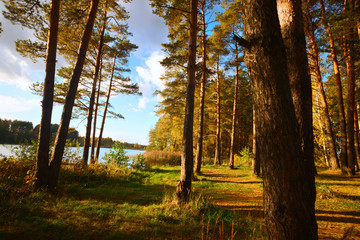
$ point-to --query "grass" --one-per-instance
(107, 202)
(112, 203)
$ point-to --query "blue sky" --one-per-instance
(17, 73)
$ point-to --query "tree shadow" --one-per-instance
(347, 213)
(229, 181)
(222, 175)
(248, 210)
(338, 219)
(124, 192)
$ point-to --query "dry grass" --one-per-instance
(162, 158)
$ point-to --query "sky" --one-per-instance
(18, 73)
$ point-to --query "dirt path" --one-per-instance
(337, 206)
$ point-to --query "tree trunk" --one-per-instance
(199, 147)
(187, 160)
(315, 57)
(92, 97)
(356, 138)
(343, 153)
(350, 68)
(105, 111)
(93, 138)
(255, 160)
(42, 154)
(234, 118)
(292, 30)
(61, 135)
(288, 184)
(217, 160)
(324, 147)
(357, 6)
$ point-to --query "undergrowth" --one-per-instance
(111, 202)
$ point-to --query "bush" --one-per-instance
(70, 155)
(138, 162)
(117, 156)
(26, 152)
(161, 158)
(244, 158)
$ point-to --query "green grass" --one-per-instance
(112, 203)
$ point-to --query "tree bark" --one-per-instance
(105, 111)
(288, 183)
(255, 161)
(93, 138)
(234, 115)
(356, 138)
(199, 147)
(315, 57)
(92, 97)
(343, 153)
(217, 160)
(42, 154)
(350, 68)
(292, 30)
(357, 6)
(61, 135)
(187, 160)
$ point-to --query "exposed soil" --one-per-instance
(336, 211)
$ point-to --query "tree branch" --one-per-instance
(241, 41)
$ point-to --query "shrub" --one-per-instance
(138, 162)
(70, 154)
(26, 152)
(161, 158)
(117, 156)
(244, 158)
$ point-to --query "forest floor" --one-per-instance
(102, 202)
(337, 202)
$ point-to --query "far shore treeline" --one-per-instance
(16, 132)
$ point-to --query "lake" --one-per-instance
(7, 150)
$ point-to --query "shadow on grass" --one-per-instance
(325, 176)
(347, 213)
(338, 219)
(222, 175)
(122, 192)
(229, 181)
(161, 170)
(248, 210)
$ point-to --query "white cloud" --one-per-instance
(14, 70)
(16, 105)
(151, 74)
(142, 102)
(149, 29)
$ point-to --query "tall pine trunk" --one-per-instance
(93, 137)
(217, 160)
(199, 147)
(292, 30)
(288, 183)
(61, 135)
(92, 96)
(356, 138)
(349, 37)
(42, 154)
(255, 161)
(187, 159)
(105, 112)
(315, 57)
(343, 153)
(234, 115)
(357, 6)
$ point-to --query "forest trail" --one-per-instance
(337, 202)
